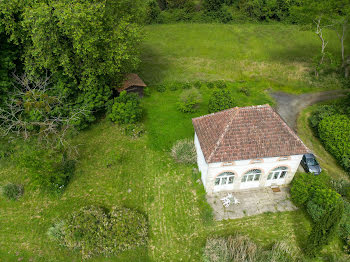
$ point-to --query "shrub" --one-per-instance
(161, 88)
(186, 85)
(220, 99)
(210, 85)
(334, 131)
(12, 191)
(314, 210)
(184, 151)
(152, 12)
(245, 91)
(197, 84)
(175, 86)
(126, 109)
(96, 231)
(320, 113)
(303, 184)
(189, 101)
(220, 84)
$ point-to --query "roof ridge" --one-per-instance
(223, 133)
(292, 132)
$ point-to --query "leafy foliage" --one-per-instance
(126, 109)
(184, 151)
(220, 99)
(334, 131)
(189, 101)
(320, 113)
(12, 191)
(153, 12)
(86, 45)
(324, 205)
(96, 231)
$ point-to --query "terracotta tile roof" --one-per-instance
(246, 133)
(132, 80)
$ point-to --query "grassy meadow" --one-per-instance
(281, 54)
(114, 169)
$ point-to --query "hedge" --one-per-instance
(334, 131)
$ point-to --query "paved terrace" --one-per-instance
(252, 202)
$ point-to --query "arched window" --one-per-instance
(225, 178)
(278, 173)
(252, 175)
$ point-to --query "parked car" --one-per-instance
(310, 164)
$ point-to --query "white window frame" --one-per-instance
(253, 175)
(278, 173)
(224, 179)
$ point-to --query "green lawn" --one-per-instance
(257, 57)
(163, 190)
(273, 52)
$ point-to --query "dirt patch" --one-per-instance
(289, 106)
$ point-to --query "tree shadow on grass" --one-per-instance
(154, 66)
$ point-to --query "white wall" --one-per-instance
(239, 168)
(202, 164)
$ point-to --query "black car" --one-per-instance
(310, 164)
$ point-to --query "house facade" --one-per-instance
(244, 148)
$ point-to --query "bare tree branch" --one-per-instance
(30, 112)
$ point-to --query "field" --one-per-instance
(281, 54)
(114, 169)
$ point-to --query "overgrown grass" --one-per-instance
(327, 161)
(141, 178)
(165, 124)
(280, 53)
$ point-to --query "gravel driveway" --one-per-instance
(289, 106)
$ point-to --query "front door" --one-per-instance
(277, 176)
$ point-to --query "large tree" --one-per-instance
(87, 46)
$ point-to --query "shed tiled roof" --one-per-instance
(132, 80)
(242, 133)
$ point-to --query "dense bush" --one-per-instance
(303, 185)
(126, 109)
(324, 205)
(219, 100)
(189, 101)
(161, 88)
(319, 114)
(334, 131)
(96, 231)
(152, 12)
(12, 191)
(184, 151)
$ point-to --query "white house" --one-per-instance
(246, 147)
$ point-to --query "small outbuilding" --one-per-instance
(132, 83)
(246, 147)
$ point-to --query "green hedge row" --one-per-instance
(334, 131)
